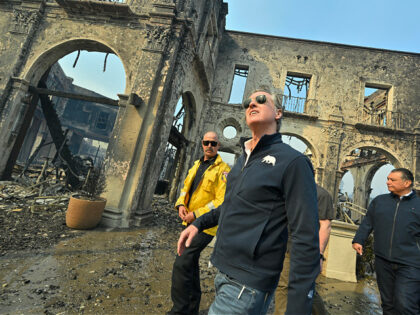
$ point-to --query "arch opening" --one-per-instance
(72, 109)
(302, 145)
(369, 167)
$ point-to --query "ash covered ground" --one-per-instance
(47, 268)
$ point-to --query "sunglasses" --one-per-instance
(261, 99)
(212, 143)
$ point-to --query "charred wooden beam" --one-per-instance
(54, 126)
(176, 138)
(94, 99)
(29, 112)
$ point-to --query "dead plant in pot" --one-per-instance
(86, 206)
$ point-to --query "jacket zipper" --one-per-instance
(393, 228)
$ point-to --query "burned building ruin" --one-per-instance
(179, 52)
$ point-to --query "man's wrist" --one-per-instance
(321, 256)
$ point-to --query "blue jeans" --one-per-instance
(399, 286)
(233, 297)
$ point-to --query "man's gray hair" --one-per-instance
(276, 99)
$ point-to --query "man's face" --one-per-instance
(207, 143)
(397, 185)
(261, 113)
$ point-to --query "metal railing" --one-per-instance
(350, 212)
(294, 104)
(384, 118)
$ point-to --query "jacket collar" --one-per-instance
(217, 159)
(264, 141)
(407, 197)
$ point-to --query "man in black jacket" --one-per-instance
(395, 220)
(270, 186)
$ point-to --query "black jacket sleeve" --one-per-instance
(302, 215)
(208, 220)
(366, 226)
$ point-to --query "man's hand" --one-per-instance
(189, 218)
(182, 212)
(186, 238)
(358, 248)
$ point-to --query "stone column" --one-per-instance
(330, 180)
(11, 121)
(119, 158)
(360, 192)
(131, 152)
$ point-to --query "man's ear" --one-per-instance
(279, 114)
(408, 183)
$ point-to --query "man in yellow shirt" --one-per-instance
(204, 190)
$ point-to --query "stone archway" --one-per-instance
(312, 152)
(34, 85)
(52, 54)
(363, 161)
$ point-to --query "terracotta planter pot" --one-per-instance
(84, 214)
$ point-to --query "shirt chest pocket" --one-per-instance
(209, 179)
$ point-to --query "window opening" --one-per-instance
(229, 132)
(102, 120)
(375, 106)
(296, 93)
(179, 116)
(240, 76)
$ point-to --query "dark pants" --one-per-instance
(399, 286)
(186, 290)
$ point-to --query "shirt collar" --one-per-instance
(247, 146)
(407, 195)
(209, 160)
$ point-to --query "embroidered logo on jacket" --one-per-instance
(269, 160)
(224, 177)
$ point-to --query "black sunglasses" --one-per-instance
(212, 143)
(261, 99)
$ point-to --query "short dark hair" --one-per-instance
(276, 99)
(405, 174)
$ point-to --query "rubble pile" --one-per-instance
(28, 220)
(33, 208)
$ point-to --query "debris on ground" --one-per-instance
(45, 267)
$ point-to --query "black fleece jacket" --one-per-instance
(274, 189)
(396, 226)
